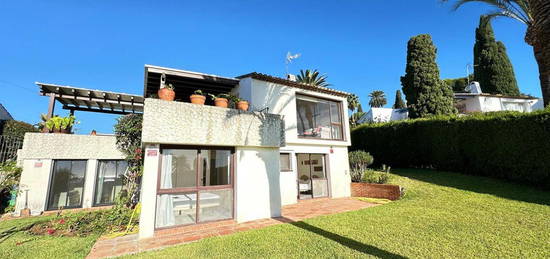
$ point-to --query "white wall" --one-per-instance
(34, 179)
(257, 185)
(281, 99)
(495, 103)
(289, 189)
(149, 191)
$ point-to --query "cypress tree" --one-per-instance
(492, 67)
(399, 103)
(425, 92)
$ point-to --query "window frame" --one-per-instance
(341, 116)
(51, 184)
(94, 204)
(290, 168)
(198, 188)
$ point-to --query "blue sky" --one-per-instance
(359, 44)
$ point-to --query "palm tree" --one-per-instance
(536, 15)
(312, 78)
(377, 99)
(353, 102)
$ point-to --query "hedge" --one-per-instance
(509, 145)
(17, 128)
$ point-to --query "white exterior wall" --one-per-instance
(148, 197)
(38, 156)
(34, 183)
(257, 186)
(480, 103)
(281, 99)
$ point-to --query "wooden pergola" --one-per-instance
(81, 99)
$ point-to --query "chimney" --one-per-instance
(291, 77)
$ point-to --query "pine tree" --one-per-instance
(492, 67)
(425, 92)
(399, 103)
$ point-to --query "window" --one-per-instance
(109, 182)
(513, 106)
(318, 118)
(195, 185)
(285, 162)
(67, 184)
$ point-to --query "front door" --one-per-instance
(312, 176)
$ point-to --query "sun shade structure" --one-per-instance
(185, 82)
(81, 99)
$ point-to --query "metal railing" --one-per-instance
(9, 146)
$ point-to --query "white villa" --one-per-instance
(201, 163)
(477, 101)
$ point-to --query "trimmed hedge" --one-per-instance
(509, 145)
(17, 128)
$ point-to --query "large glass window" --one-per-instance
(195, 186)
(318, 118)
(110, 179)
(67, 184)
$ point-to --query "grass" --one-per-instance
(15, 242)
(443, 215)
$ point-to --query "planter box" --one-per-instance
(372, 190)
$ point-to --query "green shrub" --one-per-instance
(88, 223)
(372, 176)
(358, 163)
(509, 145)
(17, 128)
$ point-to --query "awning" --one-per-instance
(81, 99)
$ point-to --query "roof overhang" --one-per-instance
(185, 81)
(82, 99)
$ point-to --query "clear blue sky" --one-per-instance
(359, 44)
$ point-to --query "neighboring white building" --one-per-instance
(476, 101)
(383, 115)
(201, 163)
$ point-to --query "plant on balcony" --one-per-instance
(220, 100)
(238, 103)
(167, 93)
(58, 124)
(197, 97)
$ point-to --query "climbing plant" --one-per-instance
(128, 141)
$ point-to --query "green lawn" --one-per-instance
(16, 243)
(443, 215)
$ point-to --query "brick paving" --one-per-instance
(168, 237)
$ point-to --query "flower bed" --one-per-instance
(372, 190)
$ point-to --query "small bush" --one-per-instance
(88, 223)
(358, 163)
(372, 176)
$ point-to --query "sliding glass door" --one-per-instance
(67, 184)
(110, 180)
(195, 185)
(312, 176)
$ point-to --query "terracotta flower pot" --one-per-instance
(242, 105)
(221, 102)
(197, 99)
(166, 94)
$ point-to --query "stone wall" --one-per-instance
(182, 123)
(68, 146)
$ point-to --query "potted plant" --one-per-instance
(242, 105)
(58, 124)
(197, 97)
(238, 103)
(167, 93)
(221, 100)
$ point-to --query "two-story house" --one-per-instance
(201, 163)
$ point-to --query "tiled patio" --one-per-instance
(168, 237)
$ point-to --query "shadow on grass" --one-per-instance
(348, 242)
(479, 184)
